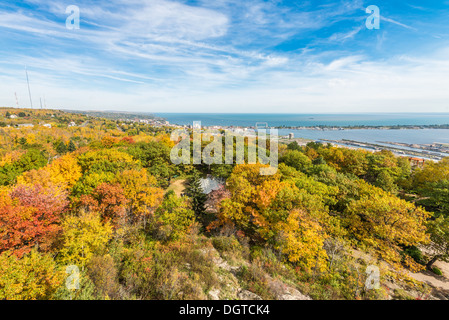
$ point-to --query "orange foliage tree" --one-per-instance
(275, 212)
(107, 199)
(29, 216)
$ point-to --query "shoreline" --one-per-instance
(363, 127)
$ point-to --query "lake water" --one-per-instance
(275, 120)
(422, 136)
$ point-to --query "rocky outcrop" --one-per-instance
(248, 295)
(284, 292)
(230, 285)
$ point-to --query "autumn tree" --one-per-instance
(215, 197)
(297, 160)
(385, 223)
(103, 272)
(302, 238)
(173, 218)
(33, 277)
(83, 237)
(109, 200)
(432, 172)
(155, 157)
(141, 191)
(346, 160)
(29, 217)
(63, 172)
(432, 185)
(106, 160)
(101, 166)
(435, 197)
(32, 159)
(275, 212)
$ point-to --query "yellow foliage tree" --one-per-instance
(83, 237)
(63, 172)
(302, 240)
(432, 172)
(140, 189)
(33, 277)
(276, 212)
(384, 223)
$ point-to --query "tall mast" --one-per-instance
(29, 91)
(17, 100)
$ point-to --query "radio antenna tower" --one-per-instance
(29, 91)
(17, 100)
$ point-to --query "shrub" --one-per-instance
(416, 254)
(102, 272)
(223, 244)
(437, 271)
(253, 278)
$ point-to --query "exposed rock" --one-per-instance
(285, 292)
(214, 294)
(218, 260)
(229, 284)
(248, 295)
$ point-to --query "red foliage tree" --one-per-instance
(128, 140)
(107, 199)
(215, 197)
(29, 217)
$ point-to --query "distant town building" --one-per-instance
(72, 124)
(47, 125)
(291, 135)
(417, 162)
(25, 125)
(13, 116)
(210, 184)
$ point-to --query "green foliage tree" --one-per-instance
(33, 159)
(438, 230)
(294, 146)
(173, 218)
(71, 147)
(197, 196)
(297, 160)
(61, 148)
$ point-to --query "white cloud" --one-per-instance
(163, 55)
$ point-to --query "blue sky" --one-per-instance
(227, 56)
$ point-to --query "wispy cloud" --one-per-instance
(397, 23)
(167, 55)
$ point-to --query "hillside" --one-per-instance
(99, 200)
